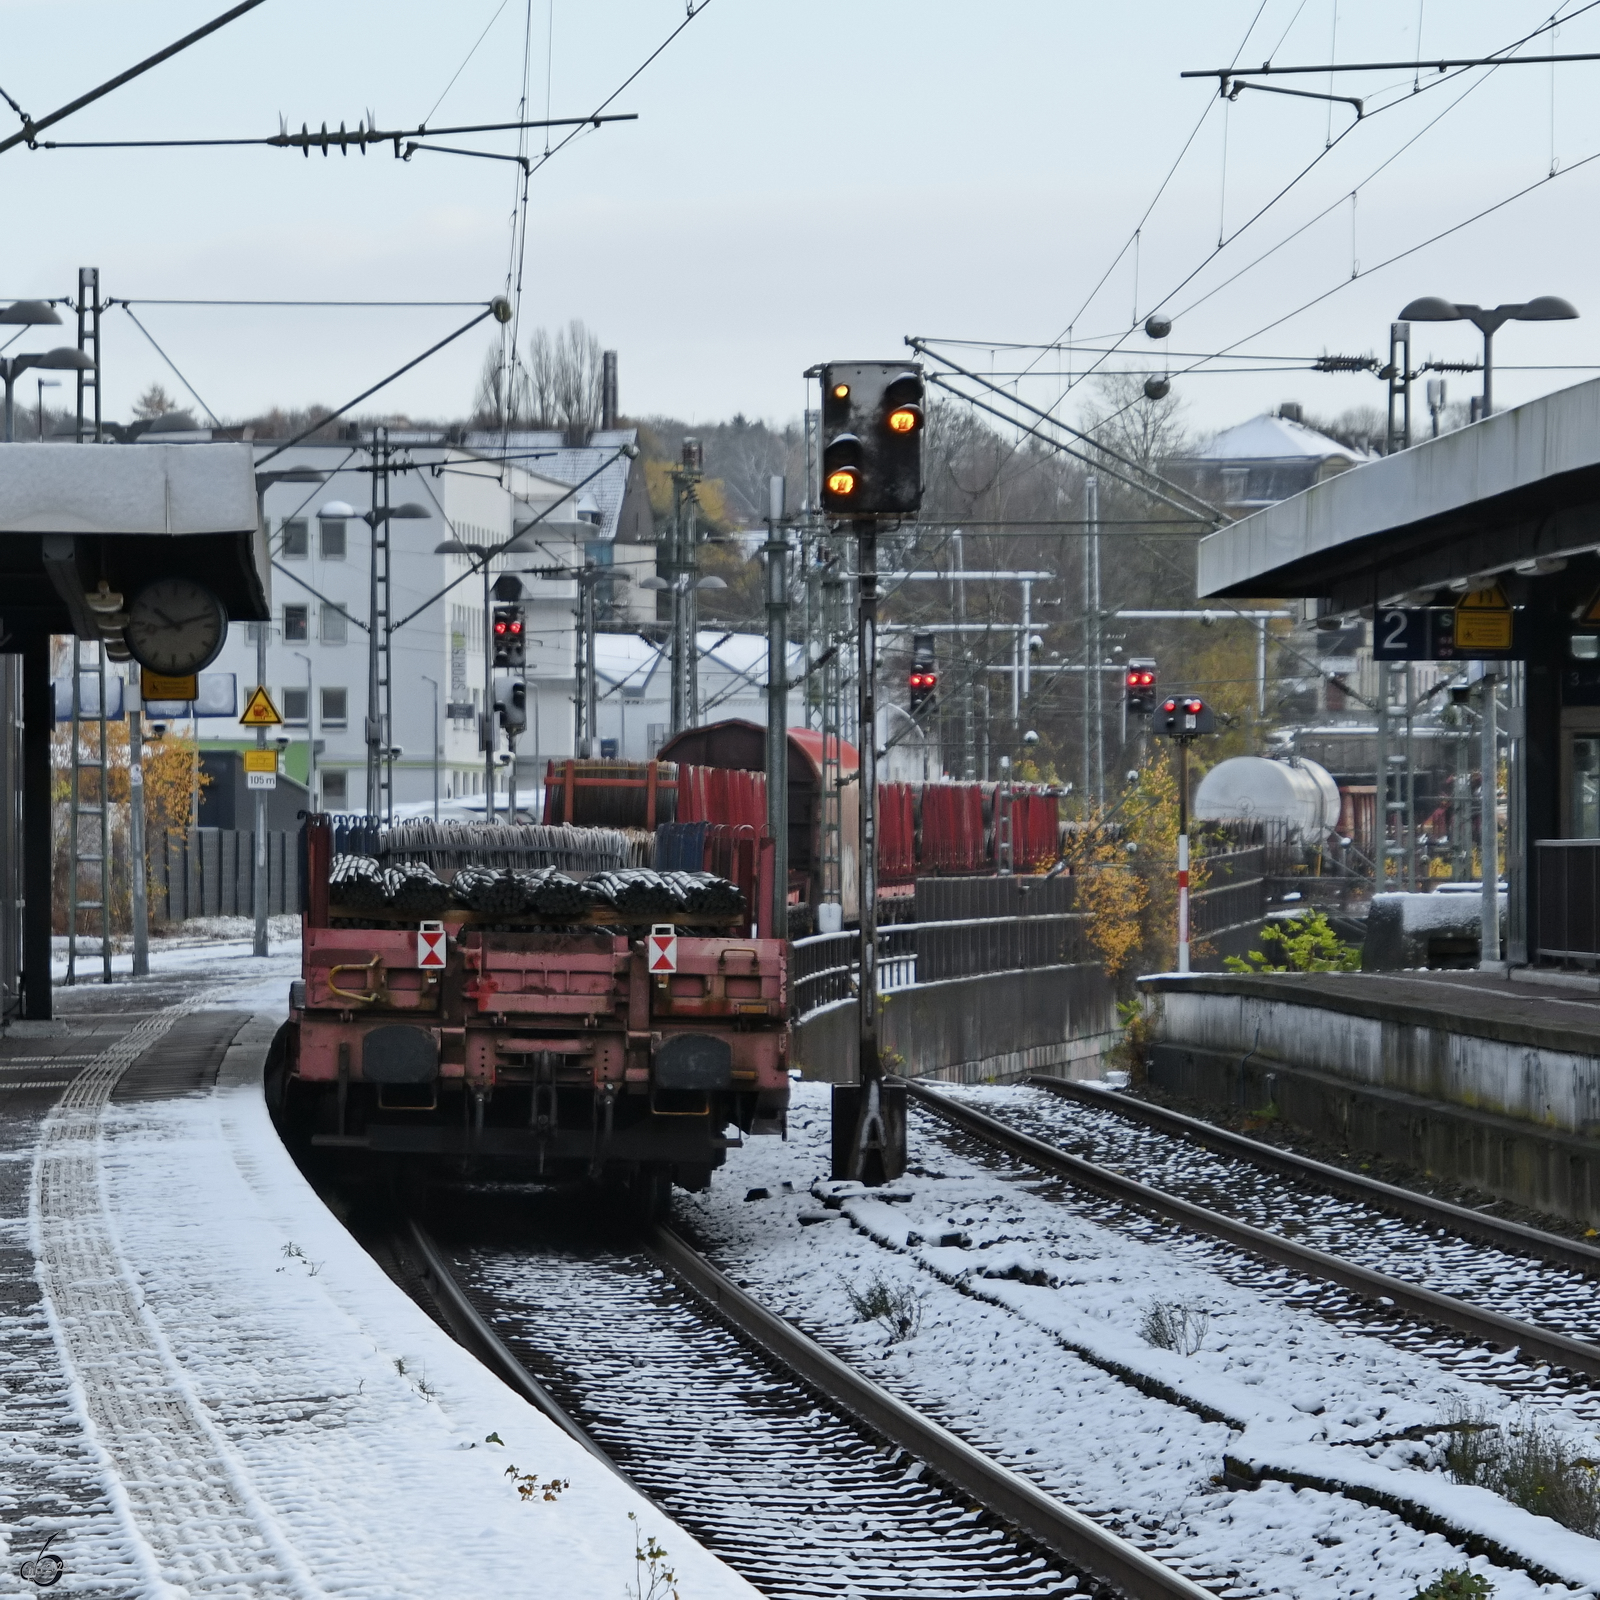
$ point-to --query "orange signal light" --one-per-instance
(904, 419)
(841, 391)
(842, 481)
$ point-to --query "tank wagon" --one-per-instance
(576, 1024)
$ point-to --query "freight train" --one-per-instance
(525, 1000)
(711, 779)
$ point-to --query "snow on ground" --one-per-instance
(366, 1453)
(1025, 1302)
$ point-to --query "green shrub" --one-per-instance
(1307, 944)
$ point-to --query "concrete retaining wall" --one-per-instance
(1435, 1057)
(997, 1025)
(1510, 1107)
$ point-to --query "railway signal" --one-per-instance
(872, 427)
(509, 636)
(1141, 687)
(1183, 718)
(923, 679)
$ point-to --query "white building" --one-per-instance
(317, 643)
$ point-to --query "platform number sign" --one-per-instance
(662, 950)
(431, 947)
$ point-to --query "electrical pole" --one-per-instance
(260, 896)
(136, 844)
(1093, 678)
(778, 704)
(1489, 936)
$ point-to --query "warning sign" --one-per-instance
(261, 769)
(661, 950)
(1483, 621)
(159, 686)
(431, 946)
(260, 712)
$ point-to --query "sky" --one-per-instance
(809, 181)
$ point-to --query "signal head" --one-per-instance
(904, 419)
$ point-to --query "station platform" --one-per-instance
(207, 1387)
(1487, 1079)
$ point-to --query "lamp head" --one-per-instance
(1430, 308)
(66, 357)
(1547, 308)
(337, 511)
(30, 314)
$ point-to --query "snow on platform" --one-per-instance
(265, 1412)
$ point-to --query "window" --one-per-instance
(335, 624)
(296, 706)
(335, 787)
(335, 703)
(333, 541)
(296, 620)
(1235, 484)
(296, 539)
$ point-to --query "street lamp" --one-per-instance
(34, 314)
(1546, 308)
(45, 383)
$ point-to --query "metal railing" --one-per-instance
(1568, 885)
(823, 968)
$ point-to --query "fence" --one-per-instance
(823, 968)
(1568, 888)
(211, 872)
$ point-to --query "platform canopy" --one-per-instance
(1515, 493)
(73, 514)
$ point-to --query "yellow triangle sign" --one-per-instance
(1490, 599)
(261, 713)
(1592, 613)
(1483, 621)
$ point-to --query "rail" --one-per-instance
(1535, 1344)
(1479, 1225)
(1068, 1533)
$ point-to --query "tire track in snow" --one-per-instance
(188, 1507)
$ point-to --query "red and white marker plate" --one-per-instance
(661, 949)
(431, 946)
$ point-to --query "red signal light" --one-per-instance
(499, 626)
(1171, 705)
(516, 627)
(1194, 707)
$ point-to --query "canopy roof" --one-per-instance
(73, 514)
(1520, 487)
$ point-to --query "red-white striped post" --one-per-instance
(1183, 855)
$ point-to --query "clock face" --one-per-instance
(176, 626)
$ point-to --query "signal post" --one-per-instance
(1183, 719)
(872, 426)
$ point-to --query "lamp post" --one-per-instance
(377, 729)
(433, 683)
(1546, 308)
(34, 314)
(45, 383)
(311, 734)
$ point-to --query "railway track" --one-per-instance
(806, 1477)
(1411, 1264)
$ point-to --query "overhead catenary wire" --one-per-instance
(171, 363)
(31, 129)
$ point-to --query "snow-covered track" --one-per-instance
(1514, 1237)
(780, 1457)
(1478, 1322)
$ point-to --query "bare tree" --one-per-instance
(154, 402)
(503, 399)
(565, 372)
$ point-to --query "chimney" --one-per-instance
(608, 390)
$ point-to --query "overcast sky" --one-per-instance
(805, 181)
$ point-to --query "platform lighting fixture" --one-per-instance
(34, 314)
(1545, 308)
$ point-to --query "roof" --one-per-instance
(72, 515)
(549, 455)
(736, 742)
(1521, 486)
(1273, 438)
(629, 657)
